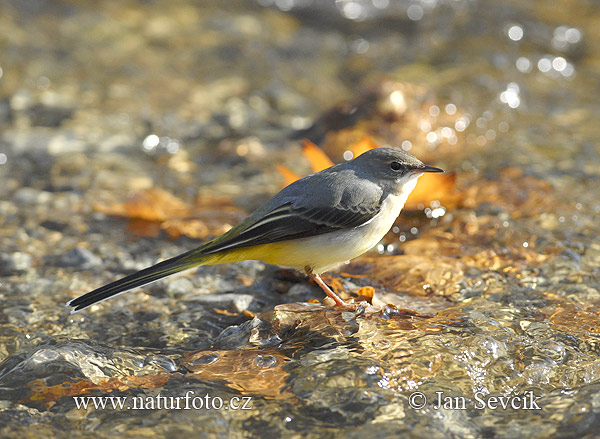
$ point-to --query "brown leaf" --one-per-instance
(48, 395)
(248, 371)
(153, 210)
(150, 205)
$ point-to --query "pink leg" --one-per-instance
(323, 285)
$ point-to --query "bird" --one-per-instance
(314, 224)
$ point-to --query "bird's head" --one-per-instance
(395, 170)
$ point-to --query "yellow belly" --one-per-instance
(321, 252)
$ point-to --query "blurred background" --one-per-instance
(130, 131)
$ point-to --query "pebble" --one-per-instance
(234, 337)
(178, 286)
(230, 301)
(29, 196)
(15, 263)
(80, 257)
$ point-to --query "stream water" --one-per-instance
(130, 131)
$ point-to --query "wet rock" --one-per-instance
(6, 114)
(79, 257)
(48, 116)
(300, 293)
(237, 336)
(180, 286)
(29, 196)
(15, 263)
(229, 301)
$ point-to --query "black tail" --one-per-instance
(138, 279)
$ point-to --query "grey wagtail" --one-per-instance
(313, 224)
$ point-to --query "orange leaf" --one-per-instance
(149, 205)
(431, 187)
(288, 176)
(249, 314)
(316, 156)
(368, 292)
(363, 145)
(225, 312)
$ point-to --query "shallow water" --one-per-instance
(131, 131)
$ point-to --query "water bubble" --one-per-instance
(348, 155)
(447, 132)
(381, 4)
(523, 65)
(150, 142)
(424, 125)
(360, 46)
(515, 32)
(353, 11)
(461, 124)
(568, 71)
(544, 65)
(43, 83)
(265, 361)
(406, 145)
(451, 109)
(573, 35)
(434, 111)
(415, 12)
(559, 63)
(438, 212)
(414, 230)
(398, 101)
(565, 36)
(510, 96)
(284, 5)
(432, 137)
(525, 244)
(209, 358)
(3, 158)
(172, 147)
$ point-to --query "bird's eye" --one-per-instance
(396, 166)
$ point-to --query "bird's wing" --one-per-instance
(288, 222)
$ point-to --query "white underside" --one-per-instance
(329, 250)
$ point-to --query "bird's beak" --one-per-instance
(427, 168)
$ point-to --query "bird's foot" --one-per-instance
(338, 301)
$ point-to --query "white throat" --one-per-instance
(405, 191)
